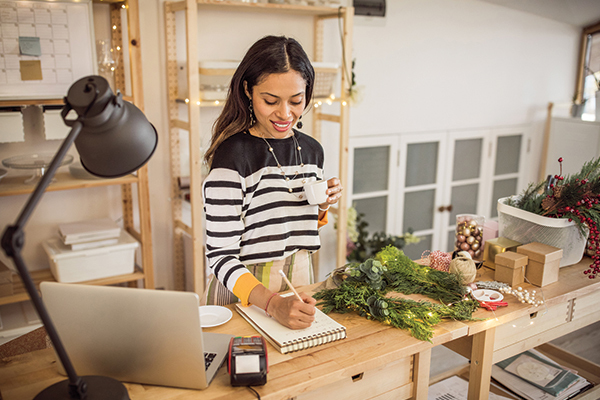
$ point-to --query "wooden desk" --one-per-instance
(374, 361)
(571, 303)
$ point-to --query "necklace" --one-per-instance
(297, 155)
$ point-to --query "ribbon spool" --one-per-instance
(437, 259)
(465, 268)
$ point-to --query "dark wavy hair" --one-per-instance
(269, 55)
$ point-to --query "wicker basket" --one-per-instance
(325, 74)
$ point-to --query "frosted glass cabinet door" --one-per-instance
(464, 174)
(508, 159)
(420, 189)
(372, 161)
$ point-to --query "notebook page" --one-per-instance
(323, 329)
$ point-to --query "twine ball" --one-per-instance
(465, 268)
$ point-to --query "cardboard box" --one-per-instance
(544, 263)
(496, 246)
(6, 280)
(510, 268)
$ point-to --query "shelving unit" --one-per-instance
(193, 103)
(12, 186)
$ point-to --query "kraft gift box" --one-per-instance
(510, 268)
(544, 263)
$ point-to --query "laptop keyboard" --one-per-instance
(208, 359)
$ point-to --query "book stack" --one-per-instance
(89, 234)
(532, 375)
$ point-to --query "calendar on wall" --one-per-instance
(44, 47)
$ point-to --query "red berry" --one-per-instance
(560, 159)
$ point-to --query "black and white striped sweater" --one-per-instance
(251, 216)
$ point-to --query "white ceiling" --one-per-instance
(580, 13)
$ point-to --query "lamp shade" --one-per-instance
(116, 139)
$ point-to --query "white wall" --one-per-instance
(428, 65)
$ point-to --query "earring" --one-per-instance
(300, 124)
(252, 117)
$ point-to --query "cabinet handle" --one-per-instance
(445, 208)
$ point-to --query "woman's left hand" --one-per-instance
(334, 190)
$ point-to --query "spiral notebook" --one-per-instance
(323, 330)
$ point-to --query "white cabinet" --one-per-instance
(422, 181)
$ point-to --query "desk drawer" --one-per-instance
(585, 307)
(392, 381)
(531, 325)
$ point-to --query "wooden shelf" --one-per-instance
(20, 294)
(32, 102)
(15, 185)
(268, 7)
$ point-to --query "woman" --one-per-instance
(257, 218)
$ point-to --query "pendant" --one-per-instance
(290, 190)
(300, 197)
(287, 179)
(303, 180)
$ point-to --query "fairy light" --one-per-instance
(344, 103)
(316, 105)
(198, 103)
(332, 96)
(114, 27)
(123, 6)
(118, 48)
(216, 102)
(187, 101)
(328, 102)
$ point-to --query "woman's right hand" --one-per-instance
(291, 312)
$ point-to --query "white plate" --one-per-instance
(487, 295)
(214, 316)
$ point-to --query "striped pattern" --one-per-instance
(251, 217)
(297, 268)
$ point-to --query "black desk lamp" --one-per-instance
(113, 138)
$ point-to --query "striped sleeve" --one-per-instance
(223, 201)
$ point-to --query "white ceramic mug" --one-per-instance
(316, 192)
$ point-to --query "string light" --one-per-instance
(114, 27)
(344, 103)
(187, 101)
(198, 103)
(118, 48)
(216, 102)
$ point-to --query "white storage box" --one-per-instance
(69, 266)
(526, 227)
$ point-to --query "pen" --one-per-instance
(290, 285)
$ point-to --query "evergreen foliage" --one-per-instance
(366, 285)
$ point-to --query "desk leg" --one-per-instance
(481, 364)
(421, 366)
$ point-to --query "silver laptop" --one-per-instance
(135, 335)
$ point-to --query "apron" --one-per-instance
(297, 267)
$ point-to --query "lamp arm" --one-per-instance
(13, 242)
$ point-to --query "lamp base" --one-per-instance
(98, 388)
